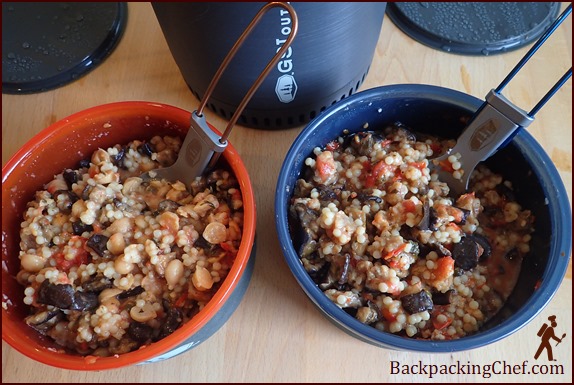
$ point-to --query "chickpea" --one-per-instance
(122, 266)
(116, 244)
(169, 221)
(32, 263)
(215, 233)
(143, 314)
(122, 225)
(173, 272)
(101, 157)
(106, 177)
(78, 208)
(202, 279)
(131, 184)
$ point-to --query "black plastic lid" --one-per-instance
(47, 45)
(473, 28)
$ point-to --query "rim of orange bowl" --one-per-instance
(179, 336)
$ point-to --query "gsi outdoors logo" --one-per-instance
(286, 88)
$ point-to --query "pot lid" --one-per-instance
(47, 45)
(473, 28)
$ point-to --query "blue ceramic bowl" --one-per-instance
(437, 110)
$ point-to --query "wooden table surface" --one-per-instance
(276, 334)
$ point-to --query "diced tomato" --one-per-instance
(229, 249)
(391, 317)
(441, 325)
(92, 171)
(444, 268)
(436, 147)
(396, 251)
(385, 143)
(325, 165)
(61, 262)
(97, 227)
(377, 170)
(446, 165)
(420, 165)
(409, 206)
(181, 300)
(398, 177)
(230, 252)
(81, 255)
(454, 226)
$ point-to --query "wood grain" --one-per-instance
(276, 334)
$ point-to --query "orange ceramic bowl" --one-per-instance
(63, 145)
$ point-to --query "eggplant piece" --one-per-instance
(98, 243)
(146, 149)
(429, 220)
(512, 254)
(86, 192)
(399, 131)
(84, 163)
(368, 314)
(44, 320)
(305, 229)
(326, 193)
(417, 302)
(441, 250)
(466, 253)
(321, 276)
(465, 214)
(167, 205)
(484, 243)
(97, 284)
(84, 301)
(202, 243)
(60, 296)
(140, 332)
(130, 293)
(308, 247)
(445, 298)
(80, 227)
(305, 215)
(345, 270)
(118, 159)
(424, 223)
(72, 198)
(71, 177)
(364, 198)
(364, 142)
(171, 323)
(506, 192)
(409, 233)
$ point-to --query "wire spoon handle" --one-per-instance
(493, 125)
(197, 116)
(202, 146)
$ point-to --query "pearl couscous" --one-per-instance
(381, 237)
(111, 263)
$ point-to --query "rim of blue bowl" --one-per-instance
(551, 183)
